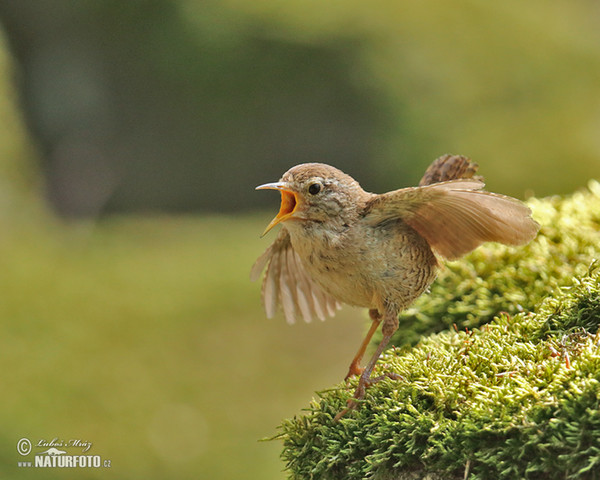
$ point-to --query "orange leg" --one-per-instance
(390, 325)
(355, 368)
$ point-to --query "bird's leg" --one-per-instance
(355, 368)
(390, 325)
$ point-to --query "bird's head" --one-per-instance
(314, 192)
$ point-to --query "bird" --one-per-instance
(339, 244)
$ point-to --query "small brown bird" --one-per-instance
(339, 243)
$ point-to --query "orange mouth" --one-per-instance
(289, 202)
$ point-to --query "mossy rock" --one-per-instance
(516, 397)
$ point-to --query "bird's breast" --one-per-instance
(364, 266)
(332, 261)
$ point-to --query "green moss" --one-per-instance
(518, 397)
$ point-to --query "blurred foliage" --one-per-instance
(512, 85)
(135, 108)
(19, 177)
(186, 104)
(114, 332)
(517, 398)
(111, 334)
(496, 278)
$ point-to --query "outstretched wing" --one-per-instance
(287, 283)
(456, 217)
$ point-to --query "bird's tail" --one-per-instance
(450, 167)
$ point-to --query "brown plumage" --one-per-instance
(340, 244)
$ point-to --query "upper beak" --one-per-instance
(289, 202)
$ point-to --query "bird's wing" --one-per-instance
(286, 282)
(455, 217)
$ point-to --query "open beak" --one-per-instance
(289, 202)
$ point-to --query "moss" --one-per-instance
(517, 397)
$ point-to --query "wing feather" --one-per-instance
(332, 306)
(304, 297)
(270, 290)
(318, 304)
(287, 299)
(287, 284)
(456, 217)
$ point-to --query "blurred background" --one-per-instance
(133, 134)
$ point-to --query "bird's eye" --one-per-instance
(314, 188)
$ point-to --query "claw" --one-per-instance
(359, 393)
(354, 371)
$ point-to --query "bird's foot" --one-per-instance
(363, 383)
(355, 370)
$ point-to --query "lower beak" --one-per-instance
(289, 202)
